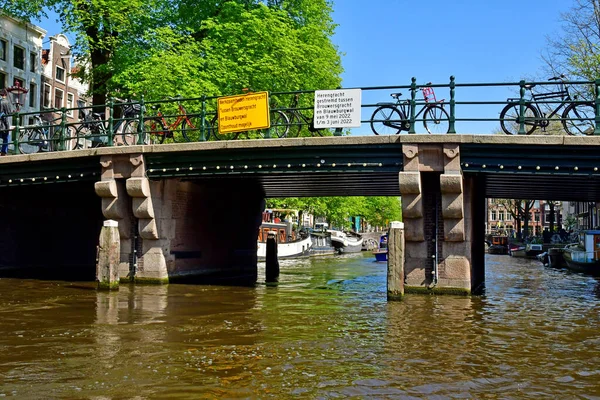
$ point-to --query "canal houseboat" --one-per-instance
(585, 255)
(290, 244)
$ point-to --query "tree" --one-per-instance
(162, 48)
(377, 211)
(575, 51)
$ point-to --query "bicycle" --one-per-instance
(94, 132)
(578, 118)
(392, 118)
(297, 120)
(157, 129)
(279, 127)
(44, 136)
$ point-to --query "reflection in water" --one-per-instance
(324, 330)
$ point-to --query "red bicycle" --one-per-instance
(185, 128)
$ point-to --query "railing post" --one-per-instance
(268, 131)
(110, 120)
(413, 103)
(451, 127)
(63, 127)
(15, 138)
(203, 136)
(140, 127)
(597, 119)
(522, 108)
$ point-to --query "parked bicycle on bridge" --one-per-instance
(577, 118)
(298, 120)
(185, 127)
(45, 136)
(93, 131)
(392, 118)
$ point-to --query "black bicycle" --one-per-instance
(93, 130)
(392, 118)
(298, 120)
(577, 118)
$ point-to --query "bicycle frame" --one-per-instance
(537, 100)
(169, 128)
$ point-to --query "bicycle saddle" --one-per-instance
(396, 95)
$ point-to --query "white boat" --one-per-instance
(346, 242)
(289, 243)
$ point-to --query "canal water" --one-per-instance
(324, 331)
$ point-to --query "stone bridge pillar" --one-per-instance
(437, 208)
(172, 229)
(126, 198)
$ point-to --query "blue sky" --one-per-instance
(386, 42)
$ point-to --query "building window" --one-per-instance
(32, 95)
(508, 217)
(58, 98)
(493, 217)
(536, 216)
(19, 82)
(60, 74)
(2, 80)
(3, 46)
(70, 104)
(32, 62)
(46, 97)
(501, 215)
(19, 60)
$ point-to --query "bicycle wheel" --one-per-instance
(154, 131)
(436, 119)
(509, 119)
(31, 140)
(387, 120)
(280, 124)
(192, 129)
(221, 136)
(130, 133)
(294, 124)
(579, 119)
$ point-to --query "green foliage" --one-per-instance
(575, 50)
(377, 211)
(162, 48)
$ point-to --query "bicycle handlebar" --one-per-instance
(556, 78)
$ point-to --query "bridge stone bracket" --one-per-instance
(123, 178)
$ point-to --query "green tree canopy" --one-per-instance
(162, 48)
(377, 211)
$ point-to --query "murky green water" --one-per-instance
(325, 331)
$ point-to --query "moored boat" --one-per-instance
(321, 241)
(346, 242)
(498, 245)
(290, 244)
(381, 254)
(585, 255)
(555, 258)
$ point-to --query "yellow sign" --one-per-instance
(243, 112)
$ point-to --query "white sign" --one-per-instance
(337, 108)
